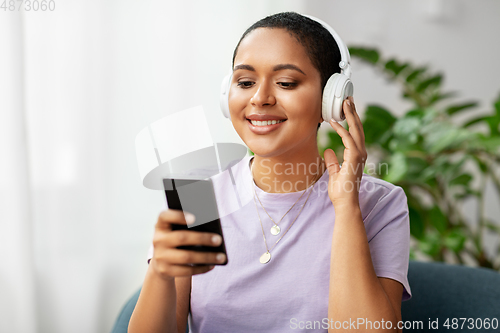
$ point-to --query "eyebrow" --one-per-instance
(275, 68)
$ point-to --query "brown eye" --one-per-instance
(245, 84)
(287, 85)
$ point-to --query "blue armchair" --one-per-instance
(440, 292)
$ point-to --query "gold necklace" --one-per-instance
(266, 257)
(275, 229)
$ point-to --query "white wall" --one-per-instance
(96, 72)
(454, 37)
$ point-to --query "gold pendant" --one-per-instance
(275, 230)
(264, 259)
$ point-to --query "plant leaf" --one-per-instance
(418, 113)
(463, 180)
(493, 123)
(438, 96)
(398, 167)
(461, 107)
(441, 135)
(417, 227)
(377, 122)
(492, 226)
(416, 167)
(404, 127)
(431, 243)
(488, 143)
(475, 121)
(366, 54)
(455, 240)
(395, 67)
(433, 81)
(414, 74)
(491, 144)
(497, 106)
(437, 219)
(467, 193)
(482, 166)
(335, 141)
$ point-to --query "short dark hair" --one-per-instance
(316, 39)
(318, 42)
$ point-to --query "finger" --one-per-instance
(346, 137)
(174, 216)
(185, 257)
(362, 131)
(355, 126)
(356, 114)
(332, 163)
(351, 99)
(187, 237)
(351, 153)
(184, 270)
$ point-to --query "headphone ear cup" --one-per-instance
(337, 89)
(224, 95)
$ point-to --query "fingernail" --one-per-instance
(220, 257)
(190, 218)
(216, 239)
(348, 102)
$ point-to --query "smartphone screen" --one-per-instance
(198, 198)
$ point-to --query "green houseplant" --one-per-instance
(438, 161)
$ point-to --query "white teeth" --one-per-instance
(265, 123)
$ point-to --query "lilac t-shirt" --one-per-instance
(248, 296)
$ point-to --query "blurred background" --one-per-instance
(79, 80)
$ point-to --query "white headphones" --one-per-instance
(337, 88)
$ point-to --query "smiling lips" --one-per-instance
(264, 126)
(264, 122)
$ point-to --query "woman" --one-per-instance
(314, 246)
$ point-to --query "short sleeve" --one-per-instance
(388, 231)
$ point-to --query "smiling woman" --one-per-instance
(334, 257)
(274, 78)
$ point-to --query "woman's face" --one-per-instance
(274, 78)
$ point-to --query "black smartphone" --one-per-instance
(196, 197)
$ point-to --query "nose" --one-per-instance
(263, 95)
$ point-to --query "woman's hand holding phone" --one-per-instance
(168, 261)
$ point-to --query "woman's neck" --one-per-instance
(284, 175)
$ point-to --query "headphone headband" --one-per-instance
(345, 63)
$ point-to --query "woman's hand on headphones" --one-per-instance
(345, 181)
